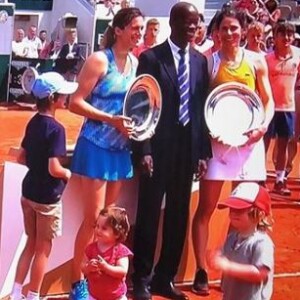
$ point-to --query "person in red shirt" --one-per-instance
(106, 259)
(150, 37)
(284, 68)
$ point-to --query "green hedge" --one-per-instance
(33, 4)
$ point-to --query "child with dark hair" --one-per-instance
(107, 259)
(247, 258)
(42, 148)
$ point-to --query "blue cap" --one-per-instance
(52, 82)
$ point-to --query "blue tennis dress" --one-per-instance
(102, 151)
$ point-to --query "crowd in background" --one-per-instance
(38, 45)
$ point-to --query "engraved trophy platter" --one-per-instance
(231, 111)
(143, 103)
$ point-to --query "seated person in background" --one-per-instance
(18, 45)
(70, 52)
(150, 37)
(33, 43)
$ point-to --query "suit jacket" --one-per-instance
(62, 64)
(159, 62)
(65, 51)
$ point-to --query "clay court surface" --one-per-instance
(286, 231)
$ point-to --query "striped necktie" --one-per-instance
(184, 88)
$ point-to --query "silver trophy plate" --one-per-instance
(231, 110)
(143, 104)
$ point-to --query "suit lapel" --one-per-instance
(193, 71)
(168, 63)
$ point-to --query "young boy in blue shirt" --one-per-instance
(42, 150)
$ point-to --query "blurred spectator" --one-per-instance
(201, 42)
(269, 43)
(71, 52)
(125, 3)
(273, 11)
(44, 50)
(265, 11)
(18, 45)
(212, 34)
(297, 40)
(150, 37)
(255, 37)
(33, 43)
(43, 37)
(55, 49)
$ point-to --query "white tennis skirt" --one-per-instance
(237, 163)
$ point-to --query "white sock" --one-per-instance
(16, 293)
(33, 295)
(280, 174)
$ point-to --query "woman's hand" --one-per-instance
(123, 124)
(202, 169)
(147, 165)
(255, 135)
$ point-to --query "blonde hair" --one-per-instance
(264, 222)
(257, 27)
(117, 219)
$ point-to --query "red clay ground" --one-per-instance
(286, 231)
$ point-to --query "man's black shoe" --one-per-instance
(167, 290)
(200, 285)
(141, 292)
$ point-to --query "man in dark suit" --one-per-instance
(179, 148)
(67, 63)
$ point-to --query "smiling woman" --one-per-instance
(102, 154)
(244, 162)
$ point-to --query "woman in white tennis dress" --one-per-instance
(244, 163)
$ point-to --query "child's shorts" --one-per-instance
(42, 220)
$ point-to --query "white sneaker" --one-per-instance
(11, 297)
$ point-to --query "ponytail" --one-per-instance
(108, 38)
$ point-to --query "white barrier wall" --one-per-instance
(12, 236)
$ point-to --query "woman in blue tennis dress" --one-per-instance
(101, 158)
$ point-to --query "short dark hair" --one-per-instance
(44, 104)
(283, 27)
(201, 17)
(178, 10)
(230, 12)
